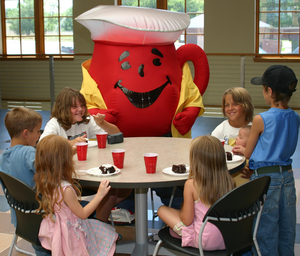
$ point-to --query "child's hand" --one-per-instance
(99, 119)
(238, 150)
(74, 150)
(77, 140)
(246, 173)
(103, 189)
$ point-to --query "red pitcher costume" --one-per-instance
(136, 77)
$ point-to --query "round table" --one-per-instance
(133, 175)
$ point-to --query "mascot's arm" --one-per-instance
(190, 106)
(184, 120)
(94, 100)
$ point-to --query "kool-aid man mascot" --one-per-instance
(136, 77)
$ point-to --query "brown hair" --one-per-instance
(208, 168)
(284, 98)
(54, 164)
(242, 97)
(62, 107)
(19, 119)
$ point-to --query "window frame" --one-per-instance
(39, 34)
(289, 57)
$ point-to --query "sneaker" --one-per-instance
(120, 215)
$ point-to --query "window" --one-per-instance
(37, 27)
(277, 26)
(195, 8)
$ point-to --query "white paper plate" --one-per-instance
(92, 143)
(235, 158)
(97, 172)
(169, 171)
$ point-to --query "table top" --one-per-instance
(133, 175)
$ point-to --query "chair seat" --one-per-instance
(175, 243)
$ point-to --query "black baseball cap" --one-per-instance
(277, 77)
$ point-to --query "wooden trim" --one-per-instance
(257, 26)
(162, 4)
(3, 28)
(39, 26)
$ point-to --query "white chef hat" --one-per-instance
(134, 25)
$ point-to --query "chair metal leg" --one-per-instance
(156, 248)
(112, 220)
(154, 213)
(24, 252)
(14, 244)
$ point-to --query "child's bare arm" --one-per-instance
(187, 209)
(256, 130)
(71, 200)
(108, 127)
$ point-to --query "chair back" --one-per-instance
(21, 198)
(234, 214)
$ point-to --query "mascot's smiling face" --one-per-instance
(138, 81)
(142, 99)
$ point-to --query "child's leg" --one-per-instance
(287, 215)
(107, 203)
(113, 197)
(168, 215)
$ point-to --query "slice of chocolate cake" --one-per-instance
(107, 168)
(229, 156)
(180, 168)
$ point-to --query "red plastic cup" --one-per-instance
(223, 141)
(150, 162)
(118, 157)
(81, 150)
(101, 139)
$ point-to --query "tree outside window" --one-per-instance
(278, 26)
(25, 34)
(195, 8)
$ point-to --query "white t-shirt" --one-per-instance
(227, 132)
(53, 127)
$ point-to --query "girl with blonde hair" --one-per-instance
(65, 229)
(208, 180)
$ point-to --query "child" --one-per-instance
(242, 176)
(71, 120)
(272, 142)
(208, 180)
(23, 126)
(65, 229)
(237, 107)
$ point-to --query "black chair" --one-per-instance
(233, 214)
(21, 198)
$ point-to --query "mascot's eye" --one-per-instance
(125, 65)
(141, 70)
(155, 51)
(156, 62)
(124, 55)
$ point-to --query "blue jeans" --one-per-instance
(40, 251)
(277, 227)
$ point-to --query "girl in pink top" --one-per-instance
(65, 229)
(208, 180)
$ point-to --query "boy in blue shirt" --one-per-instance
(272, 142)
(23, 126)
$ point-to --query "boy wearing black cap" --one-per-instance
(272, 142)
